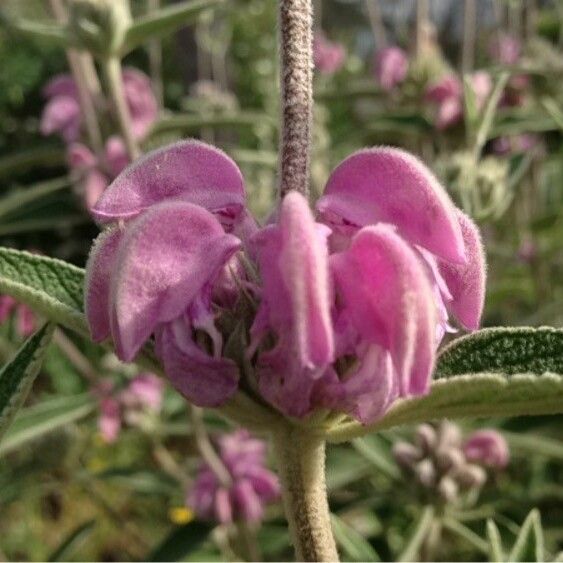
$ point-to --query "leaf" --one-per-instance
(35, 30)
(496, 552)
(36, 421)
(72, 542)
(411, 550)
(343, 466)
(354, 546)
(182, 541)
(164, 21)
(17, 376)
(507, 351)
(471, 111)
(374, 449)
(49, 286)
(23, 161)
(465, 533)
(529, 545)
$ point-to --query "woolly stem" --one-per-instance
(114, 80)
(421, 30)
(468, 45)
(296, 73)
(301, 459)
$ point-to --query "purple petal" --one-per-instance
(202, 379)
(79, 156)
(392, 186)
(95, 183)
(190, 171)
(386, 294)
(109, 420)
(391, 67)
(466, 282)
(223, 506)
(488, 447)
(99, 269)
(116, 155)
(264, 482)
(61, 115)
(167, 257)
(248, 505)
(61, 85)
(141, 100)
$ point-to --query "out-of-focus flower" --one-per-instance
(505, 49)
(391, 67)
(26, 321)
(329, 57)
(527, 251)
(142, 395)
(487, 447)
(250, 487)
(444, 465)
(447, 96)
(515, 144)
(62, 112)
(344, 312)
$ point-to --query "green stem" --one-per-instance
(301, 459)
(114, 79)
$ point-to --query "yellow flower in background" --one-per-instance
(180, 515)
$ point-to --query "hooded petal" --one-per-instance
(391, 67)
(384, 290)
(141, 101)
(167, 257)
(391, 186)
(202, 379)
(190, 171)
(61, 85)
(94, 184)
(61, 115)
(466, 282)
(99, 269)
(247, 502)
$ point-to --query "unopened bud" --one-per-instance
(406, 455)
(471, 476)
(448, 489)
(449, 458)
(449, 435)
(425, 472)
(425, 437)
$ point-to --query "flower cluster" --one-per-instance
(250, 486)
(445, 465)
(129, 405)
(329, 57)
(62, 115)
(391, 67)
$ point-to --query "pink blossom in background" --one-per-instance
(515, 144)
(505, 49)
(329, 57)
(144, 391)
(252, 486)
(141, 100)
(374, 276)
(26, 322)
(109, 420)
(391, 67)
(487, 447)
(527, 251)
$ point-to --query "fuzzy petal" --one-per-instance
(99, 268)
(247, 502)
(391, 186)
(466, 282)
(189, 171)
(385, 292)
(167, 257)
(202, 379)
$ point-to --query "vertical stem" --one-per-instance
(422, 16)
(301, 460)
(468, 45)
(296, 72)
(114, 79)
(155, 58)
(376, 23)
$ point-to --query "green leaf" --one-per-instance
(41, 31)
(412, 548)
(496, 552)
(471, 111)
(49, 286)
(507, 351)
(22, 161)
(181, 542)
(529, 545)
(17, 376)
(165, 21)
(45, 417)
(72, 542)
(377, 452)
(353, 545)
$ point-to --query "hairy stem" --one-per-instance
(469, 30)
(114, 79)
(301, 459)
(296, 73)
(422, 22)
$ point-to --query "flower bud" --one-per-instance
(471, 476)
(100, 25)
(487, 447)
(425, 437)
(425, 472)
(449, 435)
(406, 455)
(448, 489)
(449, 458)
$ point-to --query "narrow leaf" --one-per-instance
(507, 351)
(17, 376)
(495, 543)
(165, 21)
(41, 31)
(71, 543)
(411, 550)
(49, 286)
(529, 545)
(353, 545)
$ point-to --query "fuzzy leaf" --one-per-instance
(165, 21)
(353, 545)
(51, 287)
(495, 542)
(17, 376)
(507, 351)
(529, 545)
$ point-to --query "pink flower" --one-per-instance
(144, 391)
(505, 49)
(344, 311)
(447, 96)
(252, 486)
(487, 447)
(391, 67)
(516, 144)
(62, 113)
(26, 323)
(329, 57)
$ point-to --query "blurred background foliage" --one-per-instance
(65, 494)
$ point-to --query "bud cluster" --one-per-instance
(445, 465)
